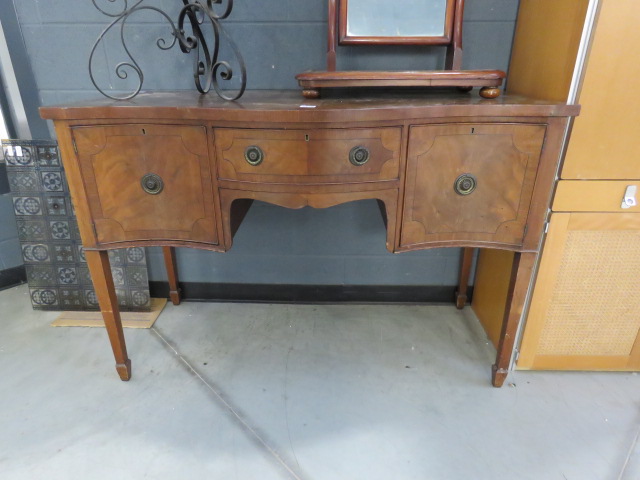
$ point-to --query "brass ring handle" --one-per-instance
(465, 184)
(254, 155)
(358, 156)
(152, 183)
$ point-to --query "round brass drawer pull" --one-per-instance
(359, 156)
(254, 155)
(152, 183)
(465, 184)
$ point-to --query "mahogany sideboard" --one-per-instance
(181, 170)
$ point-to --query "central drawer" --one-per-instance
(308, 156)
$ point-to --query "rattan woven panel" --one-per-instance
(595, 307)
(57, 271)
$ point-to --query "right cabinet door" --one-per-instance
(470, 183)
(585, 308)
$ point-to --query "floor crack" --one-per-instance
(629, 454)
(246, 427)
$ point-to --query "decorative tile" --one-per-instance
(56, 206)
(81, 256)
(44, 297)
(27, 205)
(116, 257)
(91, 299)
(71, 298)
(135, 255)
(23, 181)
(20, 155)
(36, 253)
(52, 181)
(51, 246)
(64, 253)
(140, 298)
(48, 156)
(60, 230)
(137, 277)
(118, 276)
(67, 275)
(123, 297)
(40, 276)
(31, 230)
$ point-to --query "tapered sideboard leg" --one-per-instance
(98, 262)
(463, 281)
(517, 293)
(172, 274)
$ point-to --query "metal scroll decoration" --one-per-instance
(207, 68)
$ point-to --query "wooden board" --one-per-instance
(545, 47)
(129, 319)
(541, 66)
(604, 140)
(490, 291)
(593, 196)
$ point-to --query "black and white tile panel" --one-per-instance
(52, 250)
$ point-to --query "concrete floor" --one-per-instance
(250, 391)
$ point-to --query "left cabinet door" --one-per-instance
(147, 182)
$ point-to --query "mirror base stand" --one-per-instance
(489, 80)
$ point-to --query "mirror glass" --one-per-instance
(396, 18)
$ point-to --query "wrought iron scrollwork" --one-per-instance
(195, 14)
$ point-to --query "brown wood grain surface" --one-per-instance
(308, 156)
(114, 159)
(287, 106)
(417, 146)
(504, 160)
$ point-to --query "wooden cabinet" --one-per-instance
(175, 170)
(584, 309)
(470, 182)
(147, 181)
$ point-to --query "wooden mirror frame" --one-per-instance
(345, 39)
(452, 76)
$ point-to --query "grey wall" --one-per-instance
(278, 38)
(27, 122)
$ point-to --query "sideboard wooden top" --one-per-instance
(290, 106)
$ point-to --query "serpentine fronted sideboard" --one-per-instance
(181, 170)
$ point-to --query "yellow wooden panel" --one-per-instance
(604, 142)
(543, 288)
(580, 362)
(593, 196)
(585, 309)
(593, 221)
(129, 319)
(490, 290)
(545, 47)
(541, 66)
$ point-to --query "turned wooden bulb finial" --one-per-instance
(311, 93)
(489, 92)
